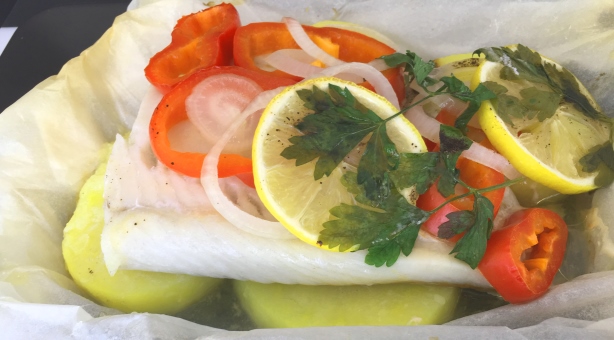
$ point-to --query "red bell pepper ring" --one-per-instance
(199, 40)
(522, 259)
(171, 111)
(263, 38)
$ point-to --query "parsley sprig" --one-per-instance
(391, 227)
(553, 87)
(383, 221)
(525, 64)
(418, 70)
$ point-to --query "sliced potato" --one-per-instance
(128, 291)
(283, 306)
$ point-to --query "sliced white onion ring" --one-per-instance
(298, 63)
(379, 64)
(485, 156)
(298, 54)
(426, 125)
(453, 105)
(305, 43)
(209, 179)
(215, 103)
(369, 73)
(292, 62)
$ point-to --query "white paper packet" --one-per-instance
(50, 138)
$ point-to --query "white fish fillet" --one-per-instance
(158, 220)
(206, 244)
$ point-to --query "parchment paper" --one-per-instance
(50, 138)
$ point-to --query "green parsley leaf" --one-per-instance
(478, 95)
(533, 103)
(509, 107)
(448, 180)
(458, 222)
(452, 140)
(385, 253)
(600, 158)
(388, 251)
(453, 143)
(368, 226)
(380, 157)
(414, 66)
(350, 181)
(316, 99)
(419, 169)
(472, 246)
(538, 103)
(463, 119)
(525, 64)
(457, 88)
(421, 70)
(568, 85)
(601, 154)
(354, 225)
(519, 64)
(397, 59)
(332, 131)
(494, 87)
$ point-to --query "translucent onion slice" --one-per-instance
(429, 129)
(426, 125)
(369, 73)
(453, 105)
(305, 43)
(483, 155)
(379, 64)
(292, 62)
(216, 102)
(298, 63)
(221, 203)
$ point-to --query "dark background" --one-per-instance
(49, 33)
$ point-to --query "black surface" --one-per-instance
(40, 46)
(5, 8)
(22, 10)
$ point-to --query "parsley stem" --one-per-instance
(431, 95)
(474, 191)
(403, 110)
(437, 92)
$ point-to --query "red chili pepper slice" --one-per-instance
(199, 40)
(522, 259)
(263, 38)
(171, 111)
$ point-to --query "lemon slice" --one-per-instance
(463, 66)
(547, 152)
(290, 192)
(453, 58)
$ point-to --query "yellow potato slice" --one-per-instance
(128, 291)
(285, 306)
